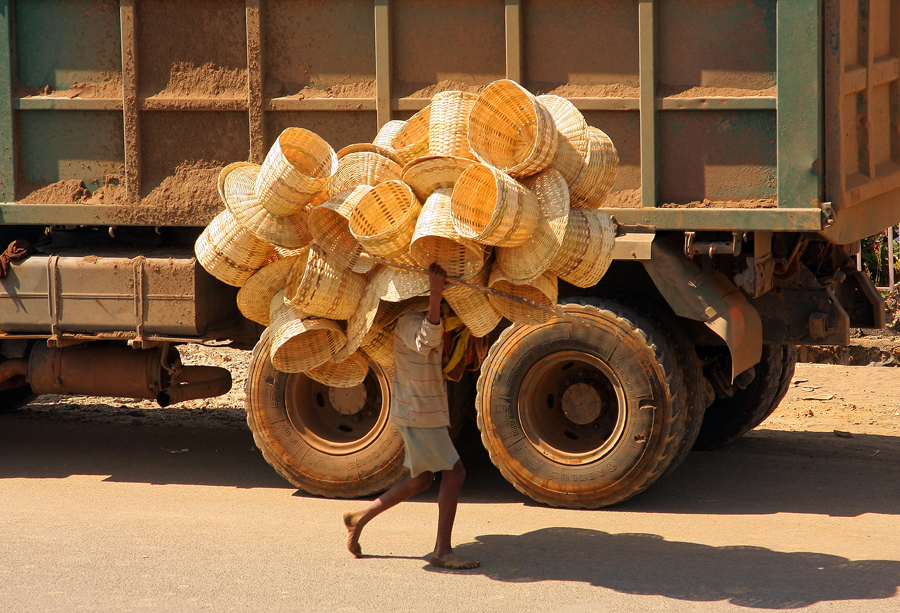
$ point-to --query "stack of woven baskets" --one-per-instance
(502, 189)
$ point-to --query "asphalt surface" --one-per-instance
(135, 517)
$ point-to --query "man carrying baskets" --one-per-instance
(420, 411)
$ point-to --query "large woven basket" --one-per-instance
(586, 252)
(380, 347)
(360, 322)
(448, 124)
(301, 343)
(510, 130)
(321, 287)
(435, 239)
(330, 226)
(363, 165)
(385, 136)
(229, 252)
(237, 183)
(255, 298)
(489, 207)
(573, 145)
(598, 173)
(472, 306)
(394, 285)
(295, 171)
(528, 261)
(542, 290)
(346, 373)
(426, 174)
(385, 218)
(411, 140)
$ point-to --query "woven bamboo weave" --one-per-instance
(542, 290)
(295, 171)
(363, 165)
(573, 147)
(362, 319)
(255, 298)
(398, 285)
(385, 136)
(299, 342)
(411, 141)
(491, 208)
(385, 218)
(426, 174)
(510, 130)
(528, 261)
(448, 124)
(330, 226)
(380, 347)
(229, 252)
(346, 373)
(598, 173)
(378, 342)
(473, 307)
(321, 287)
(435, 239)
(586, 252)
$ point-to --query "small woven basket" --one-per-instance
(528, 261)
(426, 174)
(394, 285)
(542, 290)
(598, 173)
(385, 218)
(510, 130)
(330, 226)
(411, 140)
(435, 239)
(229, 252)
(448, 124)
(380, 347)
(472, 306)
(385, 136)
(363, 165)
(320, 287)
(586, 252)
(255, 298)
(573, 140)
(237, 184)
(301, 343)
(295, 171)
(346, 373)
(490, 208)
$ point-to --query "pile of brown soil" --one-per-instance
(110, 87)
(70, 191)
(612, 90)
(761, 203)
(624, 198)
(445, 86)
(206, 81)
(686, 91)
(365, 89)
(189, 193)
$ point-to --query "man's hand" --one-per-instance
(436, 279)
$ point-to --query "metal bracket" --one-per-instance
(711, 248)
(827, 215)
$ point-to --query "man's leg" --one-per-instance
(448, 498)
(399, 492)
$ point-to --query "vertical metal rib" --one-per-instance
(7, 136)
(382, 62)
(255, 81)
(128, 25)
(647, 41)
(513, 21)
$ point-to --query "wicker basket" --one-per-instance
(237, 184)
(229, 252)
(301, 343)
(385, 136)
(586, 252)
(510, 130)
(380, 347)
(493, 209)
(320, 287)
(394, 285)
(435, 240)
(346, 373)
(364, 165)
(473, 307)
(528, 261)
(360, 322)
(255, 298)
(411, 140)
(598, 173)
(295, 171)
(542, 290)
(426, 174)
(330, 226)
(448, 124)
(574, 145)
(385, 218)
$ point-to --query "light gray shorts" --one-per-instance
(428, 449)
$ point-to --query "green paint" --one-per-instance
(7, 137)
(763, 220)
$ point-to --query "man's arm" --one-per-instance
(436, 279)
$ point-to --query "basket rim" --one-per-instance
(370, 148)
(393, 229)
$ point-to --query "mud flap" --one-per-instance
(707, 296)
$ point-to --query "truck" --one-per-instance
(758, 142)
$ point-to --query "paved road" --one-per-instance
(103, 517)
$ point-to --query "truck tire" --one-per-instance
(582, 416)
(296, 425)
(728, 419)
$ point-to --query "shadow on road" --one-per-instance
(647, 564)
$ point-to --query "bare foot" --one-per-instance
(451, 560)
(352, 535)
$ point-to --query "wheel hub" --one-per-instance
(581, 403)
(348, 400)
